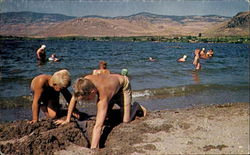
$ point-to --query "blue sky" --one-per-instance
(113, 8)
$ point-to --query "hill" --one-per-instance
(30, 24)
(236, 26)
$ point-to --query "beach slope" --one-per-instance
(217, 129)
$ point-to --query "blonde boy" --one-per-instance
(46, 90)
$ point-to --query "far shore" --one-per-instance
(185, 39)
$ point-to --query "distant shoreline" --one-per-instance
(184, 39)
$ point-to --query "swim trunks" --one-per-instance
(123, 96)
(50, 95)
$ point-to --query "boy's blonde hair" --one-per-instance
(61, 78)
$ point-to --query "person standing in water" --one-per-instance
(102, 69)
(196, 61)
(41, 54)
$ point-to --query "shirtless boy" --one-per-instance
(107, 88)
(46, 90)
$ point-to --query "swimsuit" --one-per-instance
(123, 96)
(49, 94)
(42, 56)
(127, 94)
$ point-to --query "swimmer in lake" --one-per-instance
(124, 72)
(53, 58)
(206, 55)
(183, 59)
(151, 59)
(210, 53)
(203, 54)
(102, 69)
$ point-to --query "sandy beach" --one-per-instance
(217, 129)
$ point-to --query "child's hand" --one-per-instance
(60, 122)
(32, 122)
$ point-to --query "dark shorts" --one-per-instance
(47, 98)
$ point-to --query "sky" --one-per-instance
(114, 8)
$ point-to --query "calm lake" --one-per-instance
(162, 84)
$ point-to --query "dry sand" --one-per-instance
(218, 129)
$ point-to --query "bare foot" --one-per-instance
(144, 110)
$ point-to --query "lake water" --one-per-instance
(163, 84)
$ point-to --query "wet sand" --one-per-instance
(217, 129)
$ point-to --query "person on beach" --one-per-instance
(46, 90)
(102, 69)
(41, 54)
(183, 59)
(196, 61)
(107, 89)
